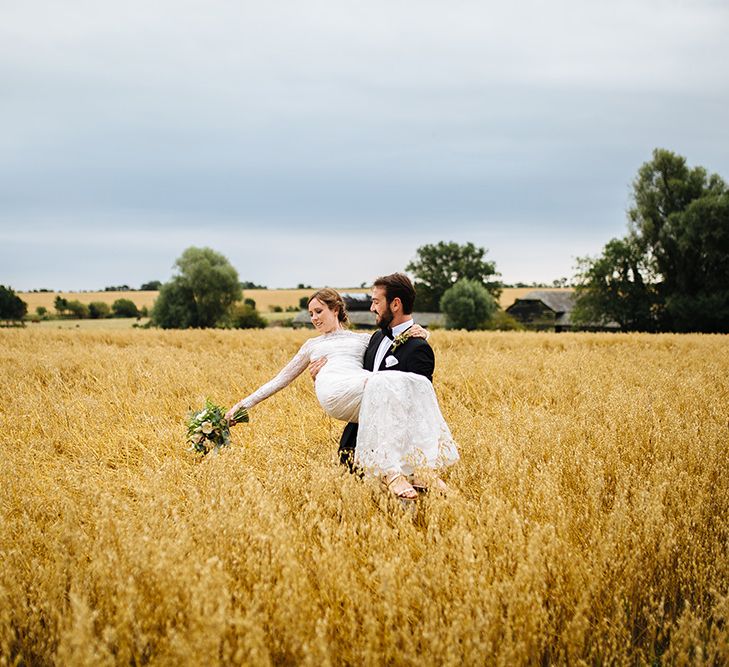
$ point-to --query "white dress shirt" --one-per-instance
(386, 342)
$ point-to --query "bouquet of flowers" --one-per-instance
(209, 429)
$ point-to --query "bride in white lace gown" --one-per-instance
(401, 428)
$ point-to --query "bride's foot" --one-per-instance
(399, 486)
(426, 484)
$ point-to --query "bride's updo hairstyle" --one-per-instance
(332, 300)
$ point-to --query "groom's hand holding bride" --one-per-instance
(316, 366)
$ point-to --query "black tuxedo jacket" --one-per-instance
(413, 356)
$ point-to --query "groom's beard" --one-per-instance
(386, 319)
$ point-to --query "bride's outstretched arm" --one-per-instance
(285, 377)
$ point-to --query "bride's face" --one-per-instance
(322, 317)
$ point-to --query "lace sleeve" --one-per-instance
(286, 376)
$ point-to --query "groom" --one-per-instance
(392, 303)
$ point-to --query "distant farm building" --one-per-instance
(356, 301)
(545, 310)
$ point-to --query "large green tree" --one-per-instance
(175, 306)
(441, 265)
(12, 307)
(468, 305)
(699, 296)
(671, 272)
(201, 294)
(616, 287)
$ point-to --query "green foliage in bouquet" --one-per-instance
(208, 428)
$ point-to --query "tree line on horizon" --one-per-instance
(670, 273)
(206, 291)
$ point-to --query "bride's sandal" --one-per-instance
(423, 485)
(399, 486)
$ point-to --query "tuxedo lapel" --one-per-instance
(400, 352)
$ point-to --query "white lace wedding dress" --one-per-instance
(401, 427)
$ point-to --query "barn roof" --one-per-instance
(559, 302)
(356, 301)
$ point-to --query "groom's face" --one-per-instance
(380, 307)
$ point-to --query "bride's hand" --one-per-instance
(229, 415)
(418, 332)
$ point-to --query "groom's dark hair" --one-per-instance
(398, 286)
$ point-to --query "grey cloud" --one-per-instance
(421, 116)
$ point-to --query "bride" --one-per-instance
(401, 429)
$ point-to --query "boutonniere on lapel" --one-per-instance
(400, 339)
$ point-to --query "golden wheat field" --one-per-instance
(587, 521)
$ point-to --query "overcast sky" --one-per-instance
(324, 141)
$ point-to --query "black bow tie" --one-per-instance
(388, 333)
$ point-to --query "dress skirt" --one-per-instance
(401, 428)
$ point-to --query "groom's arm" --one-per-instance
(316, 366)
(421, 359)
